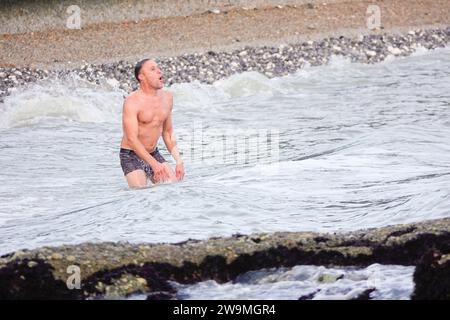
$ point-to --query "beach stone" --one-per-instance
(328, 278)
(394, 51)
(56, 256)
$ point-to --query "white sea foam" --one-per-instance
(71, 100)
(379, 282)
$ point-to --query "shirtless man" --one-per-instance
(147, 114)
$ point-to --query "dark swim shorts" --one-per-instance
(130, 161)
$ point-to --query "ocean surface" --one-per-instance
(334, 148)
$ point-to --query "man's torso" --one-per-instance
(151, 114)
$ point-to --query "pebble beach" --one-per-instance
(213, 45)
(270, 61)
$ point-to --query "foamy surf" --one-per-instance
(305, 282)
(70, 100)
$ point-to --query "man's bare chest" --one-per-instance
(154, 115)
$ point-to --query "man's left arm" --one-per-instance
(171, 142)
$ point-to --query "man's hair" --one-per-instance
(138, 68)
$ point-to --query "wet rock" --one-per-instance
(122, 286)
(309, 296)
(329, 278)
(56, 256)
(161, 296)
(365, 295)
(26, 279)
(119, 269)
(432, 277)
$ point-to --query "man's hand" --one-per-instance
(160, 172)
(179, 171)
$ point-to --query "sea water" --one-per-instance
(355, 146)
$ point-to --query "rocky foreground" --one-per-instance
(116, 270)
(270, 61)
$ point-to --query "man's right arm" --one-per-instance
(131, 129)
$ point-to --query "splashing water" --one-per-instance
(384, 282)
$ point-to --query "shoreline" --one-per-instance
(101, 43)
(213, 45)
(271, 61)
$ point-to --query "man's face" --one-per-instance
(151, 74)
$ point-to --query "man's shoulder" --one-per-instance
(133, 95)
(131, 98)
(167, 93)
(131, 103)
